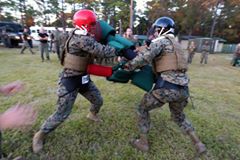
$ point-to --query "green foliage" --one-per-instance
(192, 17)
(10, 5)
(196, 17)
(142, 27)
(116, 10)
(214, 87)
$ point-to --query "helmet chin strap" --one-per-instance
(167, 32)
(162, 36)
(81, 30)
(159, 34)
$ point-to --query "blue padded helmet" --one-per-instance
(164, 25)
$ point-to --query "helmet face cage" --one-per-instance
(164, 25)
(85, 19)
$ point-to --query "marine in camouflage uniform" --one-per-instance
(171, 86)
(236, 56)
(80, 49)
(62, 40)
(56, 41)
(191, 51)
(205, 52)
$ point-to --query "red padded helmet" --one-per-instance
(86, 18)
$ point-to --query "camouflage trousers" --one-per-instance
(190, 57)
(177, 100)
(204, 58)
(43, 47)
(25, 46)
(66, 101)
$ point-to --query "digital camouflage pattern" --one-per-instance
(177, 100)
(79, 45)
(162, 46)
(86, 46)
(65, 103)
(205, 51)
(62, 40)
(56, 41)
(176, 96)
(191, 51)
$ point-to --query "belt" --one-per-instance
(160, 83)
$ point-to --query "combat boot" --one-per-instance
(200, 147)
(38, 141)
(94, 117)
(141, 143)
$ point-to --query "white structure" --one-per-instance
(216, 43)
(35, 30)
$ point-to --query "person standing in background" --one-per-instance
(43, 38)
(51, 42)
(62, 39)
(191, 51)
(56, 41)
(205, 52)
(129, 35)
(30, 42)
(236, 56)
(26, 37)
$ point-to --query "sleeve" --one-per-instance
(237, 52)
(90, 45)
(143, 58)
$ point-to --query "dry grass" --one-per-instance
(215, 89)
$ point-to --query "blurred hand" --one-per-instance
(126, 67)
(12, 88)
(17, 117)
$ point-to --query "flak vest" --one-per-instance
(71, 61)
(176, 61)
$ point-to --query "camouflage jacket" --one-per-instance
(63, 36)
(161, 45)
(206, 48)
(87, 46)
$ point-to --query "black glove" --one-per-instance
(128, 53)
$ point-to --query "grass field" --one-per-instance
(215, 89)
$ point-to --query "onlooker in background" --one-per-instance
(62, 39)
(17, 116)
(236, 56)
(43, 38)
(56, 41)
(26, 37)
(191, 51)
(129, 35)
(30, 38)
(205, 51)
(5, 37)
(51, 42)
